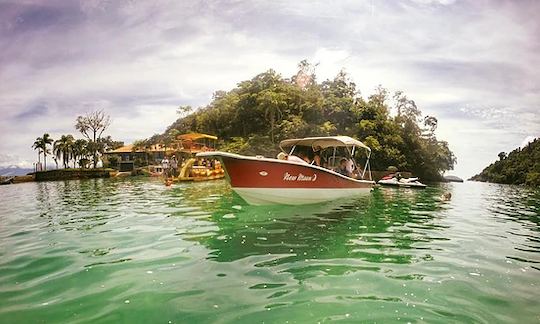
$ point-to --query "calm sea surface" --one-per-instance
(135, 251)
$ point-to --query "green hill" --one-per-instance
(521, 166)
(254, 116)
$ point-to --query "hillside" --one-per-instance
(521, 166)
(257, 114)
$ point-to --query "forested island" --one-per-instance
(258, 113)
(521, 166)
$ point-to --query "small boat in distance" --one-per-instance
(198, 169)
(292, 180)
(6, 180)
(396, 181)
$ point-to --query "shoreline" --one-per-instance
(61, 174)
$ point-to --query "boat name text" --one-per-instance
(299, 177)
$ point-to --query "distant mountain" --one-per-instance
(521, 166)
(14, 170)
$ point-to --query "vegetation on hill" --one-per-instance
(253, 117)
(521, 166)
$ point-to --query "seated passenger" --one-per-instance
(350, 166)
(342, 169)
(304, 157)
(282, 156)
(286, 157)
(317, 156)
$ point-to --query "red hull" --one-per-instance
(262, 181)
(268, 173)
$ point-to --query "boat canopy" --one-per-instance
(195, 136)
(323, 142)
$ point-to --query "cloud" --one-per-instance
(474, 65)
(7, 160)
(32, 112)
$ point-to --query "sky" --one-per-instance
(472, 64)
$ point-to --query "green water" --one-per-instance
(135, 251)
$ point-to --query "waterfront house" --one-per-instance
(186, 145)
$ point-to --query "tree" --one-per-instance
(340, 98)
(272, 102)
(405, 107)
(431, 123)
(170, 138)
(63, 149)
(38, 146)
(305, 75)
(79, 151)
(92, 126)
(107, 143)
(41, 145)
(521, 166)
(184, 110)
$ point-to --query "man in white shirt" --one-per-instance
(165, 166)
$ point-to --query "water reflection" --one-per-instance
(76, 204)
(387, 227)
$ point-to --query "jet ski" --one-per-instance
(392, 180)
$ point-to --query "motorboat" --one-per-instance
(198, 169)
(193, 170)
(396, 181)
(6, 180)
(292, 181)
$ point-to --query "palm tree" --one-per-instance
(63, 148)
(37, 146)
(78, 150)
(47, 140)
(41, 144)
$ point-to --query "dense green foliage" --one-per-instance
(521, 166)
(253, 117)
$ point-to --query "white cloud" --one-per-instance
(474, 65)
(7, 160)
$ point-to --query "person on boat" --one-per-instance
(342, 169)
(165, 166)
(174, 166)
(304, 157)
(293, 158)
(317, 156)
(350, 166)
